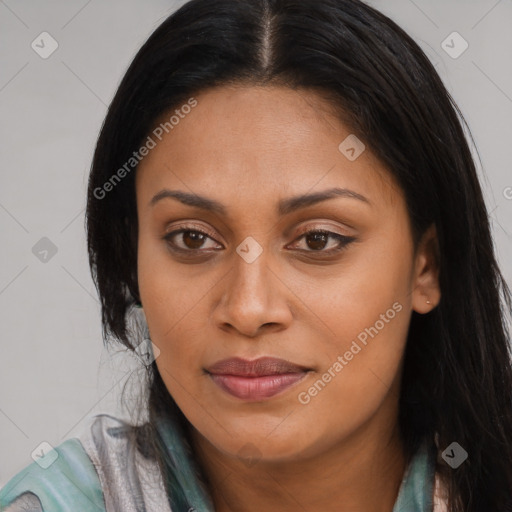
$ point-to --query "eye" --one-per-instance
(189, 240)
(317, 240)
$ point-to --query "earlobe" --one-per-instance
(426, 292)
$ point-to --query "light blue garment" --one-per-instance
(417, 489)
(70, 483)
(103, 471)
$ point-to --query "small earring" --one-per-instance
(428, 302)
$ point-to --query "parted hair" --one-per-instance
(457, 379)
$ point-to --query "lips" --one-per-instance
(255, 380)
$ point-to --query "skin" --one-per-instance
(249, 148)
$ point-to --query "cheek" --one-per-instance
(367, 310)
(360, 374)
(166, 293)
(354, 296)
(174, 305)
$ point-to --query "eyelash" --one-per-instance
(343, 240)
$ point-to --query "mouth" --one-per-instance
(255, 380)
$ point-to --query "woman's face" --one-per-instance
(256, 169)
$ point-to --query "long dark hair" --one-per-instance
(457, 381)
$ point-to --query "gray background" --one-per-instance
(54, 371)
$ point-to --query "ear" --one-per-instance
(425, 285)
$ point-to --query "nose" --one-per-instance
(253, 299)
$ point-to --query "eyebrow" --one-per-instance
(189, 199)
(295, 203)
(285, 206)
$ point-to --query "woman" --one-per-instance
(283, 199)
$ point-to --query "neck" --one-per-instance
(359, 473)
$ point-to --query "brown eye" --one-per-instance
(316, 240)
(193, 239)
(189, 240)
(322, 241)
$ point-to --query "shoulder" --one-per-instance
(60, 479)
(106, 465)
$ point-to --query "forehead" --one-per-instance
(251, 141)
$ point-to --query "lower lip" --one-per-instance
(256, 388)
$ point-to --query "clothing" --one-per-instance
(105, 469)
